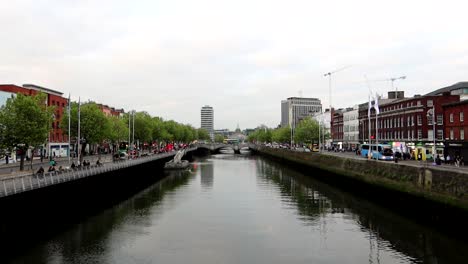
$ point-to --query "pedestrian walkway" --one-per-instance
(12, 169)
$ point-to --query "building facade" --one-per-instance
(324, 120)
(351, 127)
(337, 128)
(294, 109)
(111, 111)
(57, 141)
(407, 125)
(207, 120)
(456, 129)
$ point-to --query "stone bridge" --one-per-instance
(215, 147)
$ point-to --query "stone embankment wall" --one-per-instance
(433, 183)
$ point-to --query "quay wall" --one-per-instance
(427, 183)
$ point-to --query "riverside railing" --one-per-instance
(18, 184)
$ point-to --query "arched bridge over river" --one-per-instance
(216, 147)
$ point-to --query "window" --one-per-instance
(451, 133)
(419, 133)
(440, 134)
(451, 117)
(461, 117)
(440, 119)
(462, 133)
(430, 134)
(419, 103)
(419, 120)
(430, 103)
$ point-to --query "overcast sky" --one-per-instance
(242, 57)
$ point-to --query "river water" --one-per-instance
(245, 209)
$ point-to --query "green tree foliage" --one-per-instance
(261, 135)
(306, 131)
(281, 135)
(118, 129)
(203, 134)
(26, 122)
(95, 126)
(143, 127)
(219, 138)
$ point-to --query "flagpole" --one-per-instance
(376, 107)
(369, 121)
(79, 136)
(69, 130)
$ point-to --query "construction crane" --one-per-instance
(329, 74)
(391, 80)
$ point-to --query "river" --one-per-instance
(245, 209)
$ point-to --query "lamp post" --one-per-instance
(431, 112)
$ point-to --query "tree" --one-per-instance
(143, 127)
(281, 135)
(307, 131)
(219, 138)
(26, 122)
(203, 134)
(118, 131)
(94, 125)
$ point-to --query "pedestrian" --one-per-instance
(40, 171)
(6, 159)
(462, 162)
(419, 156)
(73, 165)
(437, 160)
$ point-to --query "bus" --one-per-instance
(379, 152)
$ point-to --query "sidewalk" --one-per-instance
(12, 169)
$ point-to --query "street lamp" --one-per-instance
(431, 112)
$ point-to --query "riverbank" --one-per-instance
(431, 195)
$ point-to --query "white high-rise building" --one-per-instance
(294, 109)
(207, 120)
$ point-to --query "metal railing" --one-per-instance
(17, 184)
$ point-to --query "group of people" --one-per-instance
(51, 168)
(458, 160)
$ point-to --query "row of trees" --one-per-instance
(307, 131)
(25, 122)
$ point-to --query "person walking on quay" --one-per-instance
(73, 166)
(419, 156)
(438, 161)
(6, 159)
(40, 171)
(447, 160)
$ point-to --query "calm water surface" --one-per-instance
(244, 209)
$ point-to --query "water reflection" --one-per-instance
(235, 209)
(92, 240)
(317, 204)
(206, 174)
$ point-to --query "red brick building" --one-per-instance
(110, 111)
(337, 128)
(406, 123)
(456, 128)
(57, 141)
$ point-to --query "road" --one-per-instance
(414, 163)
